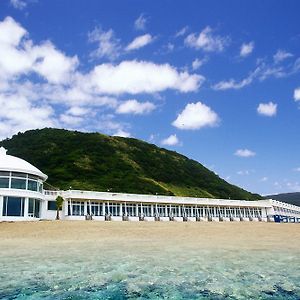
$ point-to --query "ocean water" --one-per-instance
(89, 271)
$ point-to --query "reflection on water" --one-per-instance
(84, 272)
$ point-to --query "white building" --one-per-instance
(22, 198)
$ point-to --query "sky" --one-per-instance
(218, 81)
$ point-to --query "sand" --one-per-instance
(221, 235)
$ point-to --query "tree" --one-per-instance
(59, 203)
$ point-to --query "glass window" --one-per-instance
(4, 183)
(34, 208)
(32, 185)
(18, 183)
(18, 174)
(13, 206)
(4, 173)
(77, 208)
(51, 205)
(33, 177)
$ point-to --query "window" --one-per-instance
(32, 185)
(18, 183)
(34, 208)
(4, 183)
(13, 206)
(76, 208)
(18, 174)
(51, 205)
(4, 173)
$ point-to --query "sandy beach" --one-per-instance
(243, 235)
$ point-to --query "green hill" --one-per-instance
(93, 161)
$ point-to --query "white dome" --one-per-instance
(15, 164)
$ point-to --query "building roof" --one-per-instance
(15, 164)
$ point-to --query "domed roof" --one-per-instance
(15, 164)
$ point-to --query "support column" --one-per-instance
(103, 208)
(1, 206)
(26, 200)
(85, 208)
(152, 211)
(65, 210)
(120, 211)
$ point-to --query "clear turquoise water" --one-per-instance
(85, 272)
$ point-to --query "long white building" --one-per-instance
(22, 197)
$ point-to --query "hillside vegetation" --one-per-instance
(93, 161)
(292, 198)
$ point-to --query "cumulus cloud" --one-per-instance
(195, 116)
(206, 41)
(244, 153)
(108, 45)
(18, 4)
(246, 49)
(42, 86)
(19, 114)
(135, 77)
(135, 107)
(281, 55)
(140, 22)
(267, 109)
(172, 140)
(297, 94)
(139, 42)
(18, 55)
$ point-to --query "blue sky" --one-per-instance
(217, 81)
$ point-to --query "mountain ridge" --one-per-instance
(94, 161)
(291, 198)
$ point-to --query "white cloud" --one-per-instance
(140, 22)
(78, 111)
(197, 63)
(70, 120)
(195, 116)
(297, 169)
(297, 94)
(244, 153)
(236, 85)
(139, 42)
(19, 56)
(134, 107)
(243, 172)
(182, 31)
(281, 55)
(232, 84)
(19, 114)
(122, 133)
(263, 179)
(108, 45)
(172, 140)
(135, 77)
(267, 109)
(206, 41)
(246, 49)
(18, 4)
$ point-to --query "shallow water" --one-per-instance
(80, 271)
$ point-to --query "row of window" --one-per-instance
(14, 207)
(22, 181)
(283, 210)
(76, 208)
